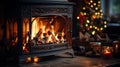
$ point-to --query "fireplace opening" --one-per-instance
(45, 30)
(48, 29)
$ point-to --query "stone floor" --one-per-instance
(64, 60)
(77, 61)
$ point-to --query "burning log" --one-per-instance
(52, 36)
(48, 30)
(36, 38)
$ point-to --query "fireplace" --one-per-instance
(46, 28)
(42, 28)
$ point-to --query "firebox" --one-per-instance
(42, 28)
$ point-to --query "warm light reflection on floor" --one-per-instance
(78, 61)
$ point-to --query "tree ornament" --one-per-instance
(81, 18)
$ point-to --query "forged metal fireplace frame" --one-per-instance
(57, 15)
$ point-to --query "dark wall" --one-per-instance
(11, 8)
(75, 24)
(113, 32)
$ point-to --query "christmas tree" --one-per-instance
(91, 17)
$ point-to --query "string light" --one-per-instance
(91, 6)
(96, 13)
(86, 25)
(93, 32)
(90, 26)
(101, 28)
(105, 22)
(91, 1)
(98, 29)
(93, 17)
(78, 17)
(95, 27)
(87, 21)
(105, 26)
(100, 16)
(84, 8)
(101, 11)
(98, 5)
(84, 13)
(98, 2)
(94, 4)
(96, 8)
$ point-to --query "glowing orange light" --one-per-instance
(28, 60)
(35, 59)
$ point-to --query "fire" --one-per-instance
(27, 39)
(106, 51)
(63, 34)
(44, 30)
(35, 28)
(25, 48)
(47, 31)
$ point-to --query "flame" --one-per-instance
(43, 30)
(24, 48)
(116, 46)
(46, 28)
(106, 51)
(63, 37)
(35, 28)
(27, 39)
